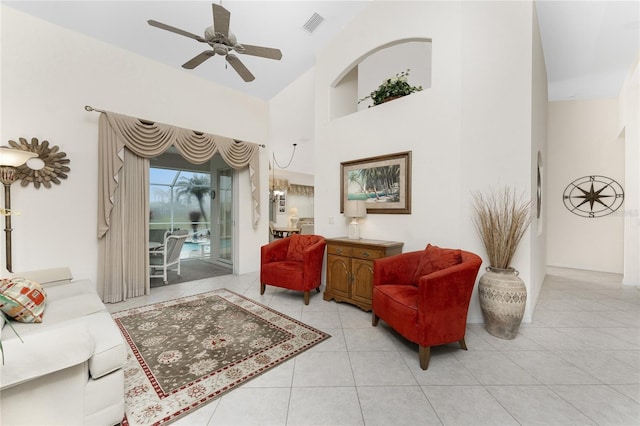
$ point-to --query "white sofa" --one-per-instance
(69, 369)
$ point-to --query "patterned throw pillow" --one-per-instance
(434, 259)
(297, 245)
(22, 299)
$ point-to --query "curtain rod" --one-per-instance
(90, 108)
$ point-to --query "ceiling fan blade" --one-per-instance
(263, 52)
(221, 17)
(175, 30)
(240, 68)
(198, 59)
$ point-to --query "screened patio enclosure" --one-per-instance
(178, 200)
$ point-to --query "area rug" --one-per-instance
(185, 352)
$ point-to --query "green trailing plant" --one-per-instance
(501, 219)
(391, 88)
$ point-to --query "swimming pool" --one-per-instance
(195, 250)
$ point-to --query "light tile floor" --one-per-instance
(578, 363)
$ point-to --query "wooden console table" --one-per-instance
(349, 275)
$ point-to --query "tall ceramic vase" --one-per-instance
(503, 297)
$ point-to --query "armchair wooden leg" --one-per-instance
(374, 319)
(463, 344)
(262, 288)
(306, 297)
(424, 353)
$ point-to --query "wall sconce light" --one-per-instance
(9, 160)
(355, 209)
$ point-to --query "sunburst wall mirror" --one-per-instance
(52, 166)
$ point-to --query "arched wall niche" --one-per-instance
(366, 73)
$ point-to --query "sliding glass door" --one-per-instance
(224, 246)
(179, 199)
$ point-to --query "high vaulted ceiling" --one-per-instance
(589, 46)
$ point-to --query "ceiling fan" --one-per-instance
(223, 43)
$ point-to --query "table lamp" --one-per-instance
(293, 217)
(355, 209)
(10, 159)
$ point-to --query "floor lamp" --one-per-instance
(9, 160)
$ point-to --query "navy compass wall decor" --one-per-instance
(593, 196)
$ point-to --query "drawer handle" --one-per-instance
(338, 251)
(365, 254)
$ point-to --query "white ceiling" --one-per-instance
(589, 46)
(265, 23)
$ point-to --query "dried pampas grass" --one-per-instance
(501, 218)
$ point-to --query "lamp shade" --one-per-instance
(14, 157)
(355, 208)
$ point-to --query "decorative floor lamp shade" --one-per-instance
(10, 159)
(355, 209)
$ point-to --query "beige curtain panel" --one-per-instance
(125, 145)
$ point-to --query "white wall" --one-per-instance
(539, 148)
(291, 121)
(477, 114)
(583, 141)
(48, 75)
(291, 115)
(629, 119)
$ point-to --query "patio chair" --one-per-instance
(168, 255)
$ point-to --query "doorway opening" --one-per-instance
(196, 198)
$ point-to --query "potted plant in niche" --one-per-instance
(392, 88)
(501, 219)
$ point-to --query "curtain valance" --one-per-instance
(291, 188)
(148, 139)
(305, 190)
(279, 184)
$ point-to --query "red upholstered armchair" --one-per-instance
(294, 263)
(424, 295)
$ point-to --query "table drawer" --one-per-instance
(367, 254)
(339, 250)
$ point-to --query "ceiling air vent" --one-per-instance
(313, 22)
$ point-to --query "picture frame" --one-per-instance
(384, 182)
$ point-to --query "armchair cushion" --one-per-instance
(434, 259)
(297, 245)
(400, 305)
(22, 299)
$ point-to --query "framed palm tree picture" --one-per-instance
(383, 182)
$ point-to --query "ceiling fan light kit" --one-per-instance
(222, 43)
